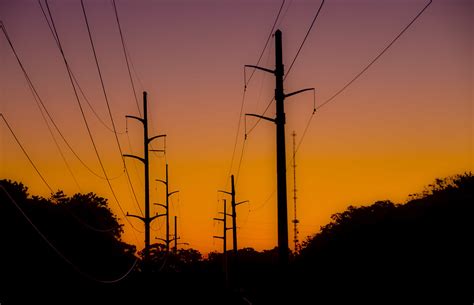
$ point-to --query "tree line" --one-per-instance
(416, 252)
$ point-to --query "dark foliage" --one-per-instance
(74, 226)
(418, 252)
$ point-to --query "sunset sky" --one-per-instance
(405, 121)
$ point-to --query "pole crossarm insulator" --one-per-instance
(136, 216)
(225, 214)
(136, 118)
(260, 68)
(173, 192)
(161, 205)
(162, 181)
(135, 157)
(299, 91)
(219, 219)
(162, 239)
(229, 193)
(221, 237)
(261, 117)
(156, 216)
(155, 137)
(242, 202)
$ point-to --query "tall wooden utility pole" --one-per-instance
(167, 239)
(234, 213)
(146, 141)
(283, 250)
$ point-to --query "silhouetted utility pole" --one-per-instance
(224, 239)
(176, 237)
(234, 214)
(281, 153)
(167, 240)
(146, 141)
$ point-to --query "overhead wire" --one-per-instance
(61, 255)
(349, 83)
(284, 13)
(292, 63)
(40, 100)
(26, 154)
(266, 43)
(82, 222)
(364, 69)
(246, 82)
(108, 104)
(126, 57)
(129, 63)
(85, 120)
(304, 39)
(74, 77)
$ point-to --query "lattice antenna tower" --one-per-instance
(295, 220)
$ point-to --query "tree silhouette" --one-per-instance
(81, 227)
(418, 251)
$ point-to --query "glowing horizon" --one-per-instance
(405, 122)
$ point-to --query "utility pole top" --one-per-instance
(280, 120)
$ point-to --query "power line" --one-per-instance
(40, 103)
(347, 85)
(92, 108)
(55, 141)
(363, 70)
(129, 62)
(84, 118)
(125, 55)
(107, 102)
(246, 82)
(26, 154)
(74, 77)
(266, 43)
(284, 13)
(47, 184)
(60, 254)
(40, 100)
(304, 39)
(247, 133)
(292, 63)
(237, 134)
(114, 130)
(376, 57)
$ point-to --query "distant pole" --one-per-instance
(234, 217)
(224, 240)
(225, 230)
(233, 214)
(167, 214)
(176, 234)
(167, 239)
(282, 205)
(146, 141)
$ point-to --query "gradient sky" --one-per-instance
(406, 121)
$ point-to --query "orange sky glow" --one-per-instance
(404, 122)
